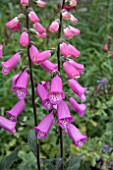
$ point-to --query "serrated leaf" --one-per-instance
(32, 142)
(74, 163)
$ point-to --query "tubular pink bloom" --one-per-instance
(17, 27)
(16, 110)
(64, 49)
(73, 3)
(38, 35)
(74, 30)
(77, 89)
(10, 64)
(14, 80)
(33, 17)
(24, 2)
(73, 19)
(111, 52)
(68, 33)
(21, 83)
(41, 3)
(64, 116)
(54, 27)
(79, 67)
(1, 47)
(78, 138)
(68, 8)
(43, 94)
(24, 39)
(12, 23)
(56, 94)
(66, 15)
(49, 66)
(7, 125)
(105, 47)
(70, 70)
(39, 28)
(33, 51)
(43, 56)
(79, 108)
(46, 84)
(44, 126)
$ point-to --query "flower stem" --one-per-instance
(33, 93)
(58, 59)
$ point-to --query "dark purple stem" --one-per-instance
(58, 59)
(33, 93)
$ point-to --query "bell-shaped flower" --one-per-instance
(24, 39)
(68, 33)
(12, 23)
(73, 3)
(63, 114)
(79, 67)
(7, 125)
(79, 108)
(77, 89)
(74, 30)
(20, 85)
(42, 56)
(33, 52)
(24, 2)
(73, 19)
(16, 110)
(33, 17)
(44, 126)
(43, 94)
(38, 35)
(105, 47)
(49, 66)
(74, 133)
(56, 93)
(39, 28)
(66, 15)
(1, 47)
(64, 49)
(54, 26)
(10, 63)
(70, 70)
(41, 3)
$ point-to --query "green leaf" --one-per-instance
(74, 163)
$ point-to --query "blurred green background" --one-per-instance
(96, 24)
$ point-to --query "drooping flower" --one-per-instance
(70, 70)
(77, 89)
(79, 67)
(20, 84)
(33, 51)
(39, 28)
(24, 2)
(105, 47)
(68, 33)
(44, 126)
(38, 35)
(1, 47)
(17, 27)
(10, 63)
(7, 125)
(24, 39)
(33, 17)
(41, 3)
(64, 116)
(66, 15)
(78, 138)
(73, 19)
(16, 110)
(74, 30)
(73, 3)
(43, 94)
(12, 23)
(42, 56)
(56, 93)
(79, 108)
(49, 66)
(54, 27)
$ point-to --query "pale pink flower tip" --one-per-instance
(54, 27)
(24, 2)
(41, 3)
(33, 17)
(12, 23)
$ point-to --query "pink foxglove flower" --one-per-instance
(54, 27)
(64, 49)
(38, 35)
(12, 23)
(42, 56)
(1, 47)
(70, 70)
(68, 8)
(24, 39)
(56, 93)
(64, 116)
(49, 66)
(7, 125)
(105, 47)
(77, 89)
(24, 2)
(39, 28)
(17, 27)
(79, 67)
(20, 83)
(43, 94)
(78, 138)
(66, 15)
(33, 17)
(44, 126)
(33, 51)
(73, 3)
(74, 30)
(16, 110)
(79, 108)
(41, 3)
(68, 33)
(73, 19)
(46, 84)
(10, 63)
